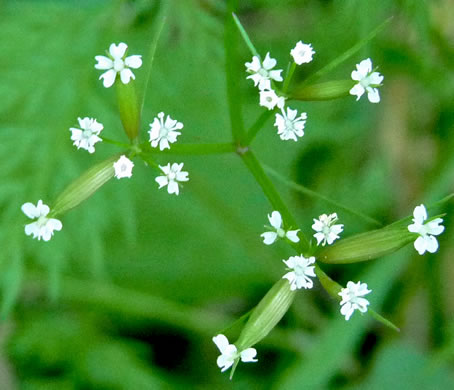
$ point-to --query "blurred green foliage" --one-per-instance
(130, 292)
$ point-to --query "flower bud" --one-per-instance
(324, 91)
(85, 186)
(266, 314)
(128, 106)
(366, 246)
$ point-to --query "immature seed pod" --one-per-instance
(266, 314)
(129, 109)
(366, 246)
(324, 91)
(84, 186)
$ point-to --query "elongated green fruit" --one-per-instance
(84, 186)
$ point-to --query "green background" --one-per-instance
(129, 294)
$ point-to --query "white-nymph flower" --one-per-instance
(269, 99)
(276, 222)
(326, 229)
(289, 126)
(367, 81)
(229, 353)
(426, 240)
(352, 299)
(262, 72)
(173, 175)
(162, 132)
(44, 227)
(117, 63)
(123, 167)
(87, 135)
(302, 53)
(300, 269)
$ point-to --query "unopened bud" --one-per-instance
(128, 106)
(323, 91)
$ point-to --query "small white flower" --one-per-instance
(44, 227)
(173, 175)
(301, 270)
(326, 229)
(367, 81)
(262, 73)
(352, 299)
(269, 99)
(229, 353)
(302, 53)
(123, 167)
(87, 135)
(117, 63)
(276, 222)
(289, 126)
(164, 132)
(426, 240)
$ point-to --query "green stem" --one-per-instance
(111, 141)
(306, 191)
(288, 77)
(245, 36)
(191, 149)
(256, 127)
(232, 79)
(272, 194)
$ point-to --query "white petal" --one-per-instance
(365, 66)
(32, 228)
(118, 51)
(420, 214)
(376, 78)
(248, 355)
(108, 78)
(221, 342)
(162, 181)
(373, 95)
(30, 210)
(435, 228)
(134, 61)
(431, 244)
(173, 188)
(275, 219)
(269, 237)
(357, 90)
(126, 75)
(104, 63)
(420, 245)
(268, 62)
(292, 235)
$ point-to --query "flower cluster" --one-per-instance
(326, 229)
(289, 124)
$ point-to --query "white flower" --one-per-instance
(276, 222)
(269, 99)
(87, 135)
(262, 73)
(301, 270)
(173, 175)
(164, 132)
(302, 53)
(117, 63)
(229, 353)
(44, 227)
(123, 167)
(289, 126)
(426, 240)
(326, 229)
(351, 299)
(367, 81)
